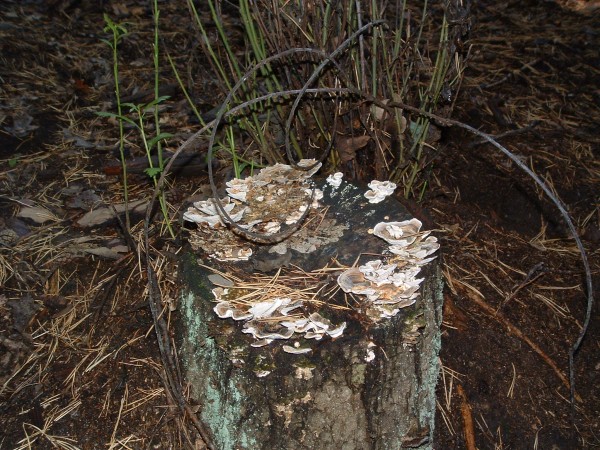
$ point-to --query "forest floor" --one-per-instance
(79, 361)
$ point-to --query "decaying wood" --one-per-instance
(371, 388)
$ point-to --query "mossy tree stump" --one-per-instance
(371, 388)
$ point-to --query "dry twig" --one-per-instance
(465, 410)
(478, 300)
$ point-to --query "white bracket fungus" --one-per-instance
(335, 180)
(232, 254)
(392, 285)
(274, 319)
(370, 356)
(379, 190)
(205, 211)
(237, 189)
(260, 204)
(296, 350)
(401, 234)
(279, 195)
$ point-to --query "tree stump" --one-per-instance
(372, 387)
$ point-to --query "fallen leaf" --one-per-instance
(78, 141)
(103, 252)
(22, 125)
(38, 214)
(22, 309)
(380, 113)
(84, 200)
(347, 147)
(103, 215)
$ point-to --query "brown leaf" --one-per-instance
(103, 215)
(38, 214)
(347, 147)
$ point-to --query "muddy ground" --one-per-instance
(79, 362)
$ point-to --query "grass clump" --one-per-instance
(311, 79)
(410, 59)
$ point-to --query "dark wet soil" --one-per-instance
(499, 213)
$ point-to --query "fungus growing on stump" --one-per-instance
(353, 298)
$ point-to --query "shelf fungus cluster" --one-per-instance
(295, 307)
(390, 284)
(335, 180)
(379, 190)
(275, 319)
(277, 195)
